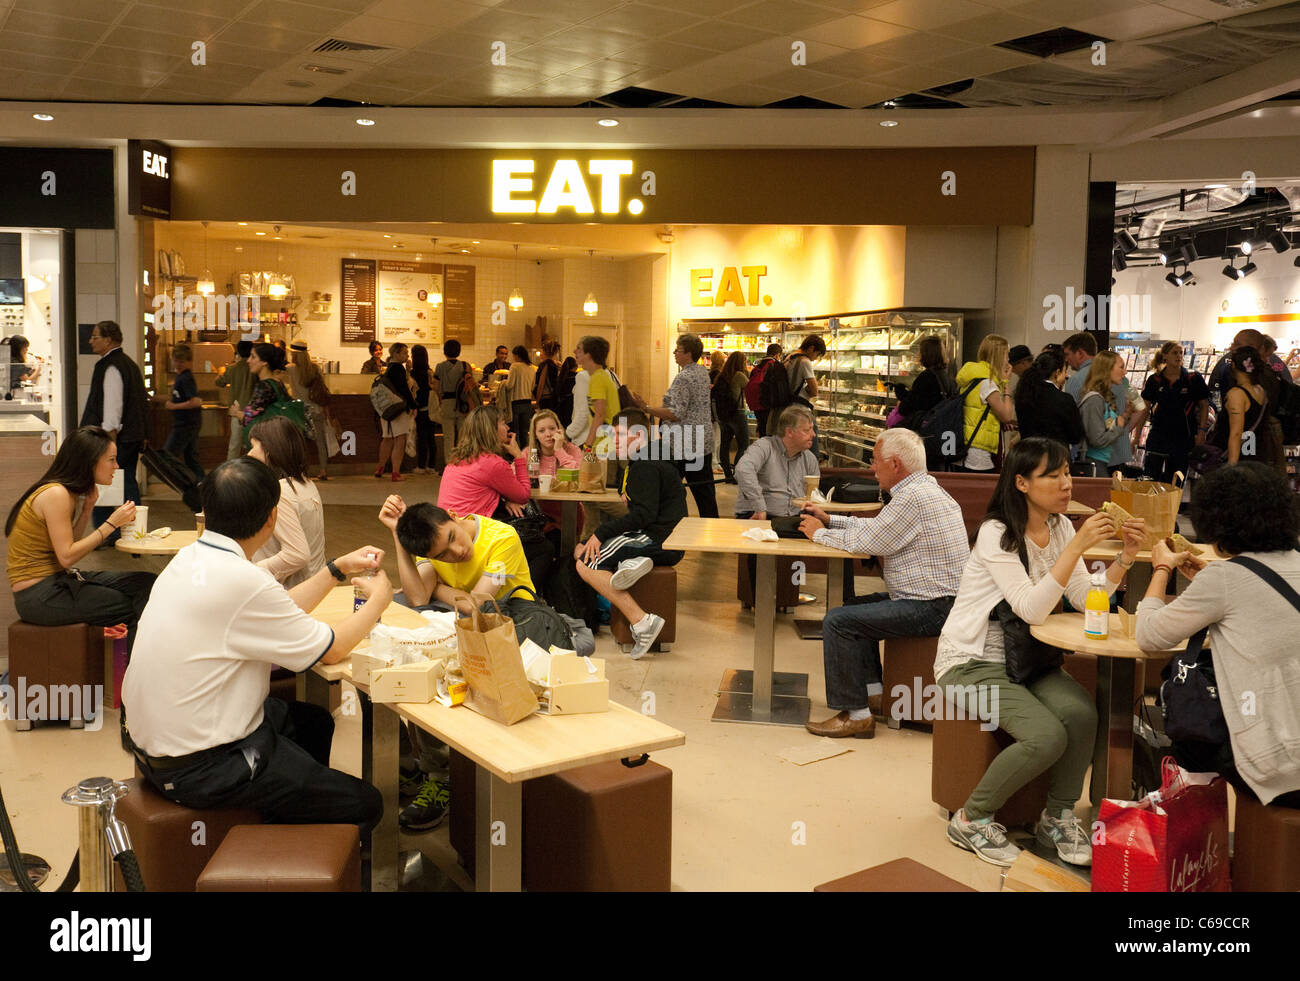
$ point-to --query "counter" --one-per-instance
(22, 444)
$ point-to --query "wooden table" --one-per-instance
(1139, 577)
(1117, 660)
(504, 756)
(569, 501)
(757, 702)
(835, 507)
(170, 545)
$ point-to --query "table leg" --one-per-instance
(313, 689)
(764, 636)
(569, 511)
(379, 765)
(498, 833)
(1139, 579)
(836, 572)
(1112, 762)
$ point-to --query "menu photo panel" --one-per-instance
(405, 311)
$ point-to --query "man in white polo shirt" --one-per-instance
(205, 731)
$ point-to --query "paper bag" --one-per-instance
(494, 668)
(591, 475)
(1155, 503)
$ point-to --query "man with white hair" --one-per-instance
(921, 542)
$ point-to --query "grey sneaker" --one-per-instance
(645, 637)
(1068, 836)
(987, 840)
(629, 571)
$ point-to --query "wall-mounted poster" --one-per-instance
(358, 288)
(458, 299)
(404, 311)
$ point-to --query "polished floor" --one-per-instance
(743, 818)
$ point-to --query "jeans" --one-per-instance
(701, 484)
(851, 637)
(761, 415)
(425, 449)
(281, 769)
(451, 422)
(128, 455)
(1053, 721)
(102, 599)
(183, 443)
(316, 416)
(737, 428)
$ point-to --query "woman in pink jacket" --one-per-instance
(478, 473)
(554, 451)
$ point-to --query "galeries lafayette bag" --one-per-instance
(493, 667)
(1173, 840)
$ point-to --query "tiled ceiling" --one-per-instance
(609, 52)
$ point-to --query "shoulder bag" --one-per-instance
(1028, 658)
(292, 409)
(385, 401)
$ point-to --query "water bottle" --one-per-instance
(534, 467)
(359, 597)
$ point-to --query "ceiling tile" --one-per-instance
(993, 28)
(444, 13)
(33, 86)
(101, 10)
(857, 64)
(1060, 12)
(918, 48)
(863, 6)
(436, 62)
(1209, 10)
(926, 15)
(1125, 25)
(389, 33)
(355, 6)
(717, 36)
(133, 37)
(643, 22)
(667, 54)
(551, 60)
(401, 79)
(145, 60)
(223, 52)
(853, 32)
(47, 25)
(502, 25)
(121, 74)
(601, 44)
(982, 61)
(741, 95)
(207, 86)
(608, 69)
(184, 23)
(377, 95)
(225, 74)
(272, 38)
(49, 46)
(460, 43)
(704, 8)
(856, 95)
(569, 11)
(919, 77)
(797, 81)
(93, 91)
(216, 8)
(15, 55)
(780, 16)
(295, 16)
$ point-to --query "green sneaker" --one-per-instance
(409, 784)
(428, 810)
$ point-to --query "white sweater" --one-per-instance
(992, 575)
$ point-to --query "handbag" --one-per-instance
(529, 526)
(385, 401)
(1210, 456)
(292, 409)
(787, 526)
(626, 397)
(1028, 658)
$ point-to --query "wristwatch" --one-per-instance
(335, 572)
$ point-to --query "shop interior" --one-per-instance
(30, 308)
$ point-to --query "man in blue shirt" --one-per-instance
(187, 412)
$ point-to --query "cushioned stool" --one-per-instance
(171, 849)
(787, 590)
(900, 875)
(1266, 848)
(655, 592)
(907, 662)
(601, 828)
(286, 858)
(67, 656)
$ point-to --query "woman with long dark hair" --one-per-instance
(515, 396)
(1247, 429)
(1027, 553)
(548, 373)
(931, 386)
(729, 404)
(480, 471)
(296, 551)
(1042, 409)
(47, 536)
(309, 385)
(564, 382)
(263, 364)
(393, 433)
(422, 375)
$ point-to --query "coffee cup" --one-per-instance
(141, 523)
(544, 482)
(200, 522)
(810, 484)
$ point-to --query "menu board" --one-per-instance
(404, 311)
(458, 301)
(358, 289)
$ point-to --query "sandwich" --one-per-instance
(1177, 544)
(1118, 514)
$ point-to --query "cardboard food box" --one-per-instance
(406, 682)
(1029, 873)
(575, 688)
(365, 664)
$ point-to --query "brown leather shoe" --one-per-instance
(840, 726)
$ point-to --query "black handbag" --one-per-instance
(1028, 658)
(787, 525)
(529, 526)
(857, 492)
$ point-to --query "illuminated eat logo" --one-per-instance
(155, 163)
(729, 290)
(565, 188)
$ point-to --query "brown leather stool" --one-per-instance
(900, 875)
(601, 828)
(907, 662)
(787, 590)
(1266, 847)
(173, 843)
(57, 658)
(286, 858)
(655, 592)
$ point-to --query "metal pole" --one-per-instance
(96, 798)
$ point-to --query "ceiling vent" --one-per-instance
(353, 50)
(1044, 44)
(325, 69)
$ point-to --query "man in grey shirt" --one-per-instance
(687, 439)
(770, 474)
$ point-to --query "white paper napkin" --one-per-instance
(761, 535)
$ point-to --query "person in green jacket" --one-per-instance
(239, 380)
(982, 429)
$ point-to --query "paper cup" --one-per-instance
(200, 522)
(544, 482)
(141, 520)
(810, 484)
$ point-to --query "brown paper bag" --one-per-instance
(1155, 503)
(494, 668)
(591, 475)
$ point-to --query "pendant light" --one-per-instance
(516, 301)
(435, 294)
(205, 286)
(276, 290)
(590, 307)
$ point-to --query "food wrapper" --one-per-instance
(406, 646)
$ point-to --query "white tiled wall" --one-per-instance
(96, 272)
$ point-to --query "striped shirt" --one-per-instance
(919, 537)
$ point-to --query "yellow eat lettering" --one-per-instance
(729, 290)
(701, 283)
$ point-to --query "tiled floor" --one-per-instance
(744, 819)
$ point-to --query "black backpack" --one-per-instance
(570, 594)
(949, 417)
(775, 389)
(534, 620)
(1288, 411)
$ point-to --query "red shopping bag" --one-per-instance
(1173, 840)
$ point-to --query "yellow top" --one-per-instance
(602, 387)
(31, 554)
(496, 547)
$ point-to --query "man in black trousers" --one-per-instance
(118, 403)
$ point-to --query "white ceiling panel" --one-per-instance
(132, 38)
(780, 16)
(982, 61)
(643, 21)
(119, 74)
(602, 44)
(50, 47)
(994, 28)
(919, 48)
(741, 95)
(1208, 10)
(291, 16)
(443, 13)
(31, 61)
(185, 23)
(89, 90)
(1126, 25)
(1062, 11)
(667, 54)
(389, 33)
(221, 51)
(100, 10)
(919, 78)
(570, 11)
(147, 60)
(354, 6)
(272, 38)
(926, 15)
(853, 32)
(856, 95)
(47, 25)
(857, 65)
(719, 37)
(513, 28)
(704, 8)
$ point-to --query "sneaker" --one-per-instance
(1068, 836)
(646, 636)
(409, 784)
(987, 840)
(428, 810)
(629, 571)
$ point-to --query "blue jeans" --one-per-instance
(851, 638)
(183, 443)
(128, 455)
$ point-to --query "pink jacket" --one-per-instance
(478, 486)
(565, 456)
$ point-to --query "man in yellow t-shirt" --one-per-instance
(445, 558)
(602, 391)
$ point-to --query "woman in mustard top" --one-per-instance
(48, 537)
(985, 377)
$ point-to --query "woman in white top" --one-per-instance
(1052, 719)
(296, 551)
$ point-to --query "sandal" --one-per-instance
(379, 474)
(398, 478)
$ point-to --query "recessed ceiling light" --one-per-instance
(365, 122)
(44, 117)
(607, 122)
(386, 235)
(465, 251)
(259, 233)
(889, 122)
(474, 242)
(243, 223)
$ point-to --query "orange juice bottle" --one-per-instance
(1096, 616)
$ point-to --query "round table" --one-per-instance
(170, 545)
(1117, 659)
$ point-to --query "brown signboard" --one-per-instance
(458, 304)
(357, 324)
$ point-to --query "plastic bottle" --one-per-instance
(534, 467)
(358, 597)
(1096, 617)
